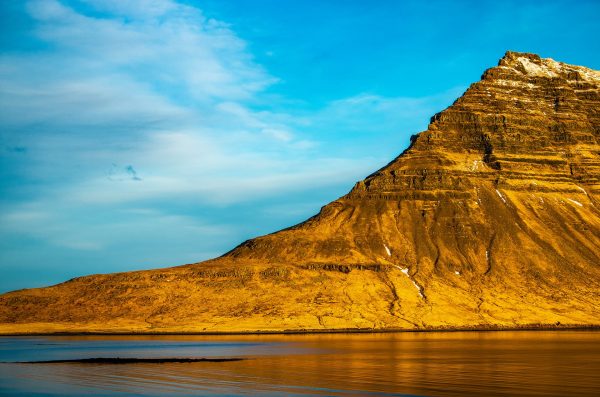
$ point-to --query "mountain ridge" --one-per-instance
(489, 219)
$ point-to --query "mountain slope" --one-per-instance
(491, 218)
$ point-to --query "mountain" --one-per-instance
(490, 219)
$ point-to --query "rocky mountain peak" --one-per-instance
(530, 125)
(526, 104)
(534, 65)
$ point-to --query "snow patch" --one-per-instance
(418, 288)
(475, 165)
(501, 196)
(535, 69)
(405, 271)
(513, 83)
(387, 250)
(587, 74)
(402, 269)
(575, 202)
(457, 272)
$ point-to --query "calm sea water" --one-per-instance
(523, 363)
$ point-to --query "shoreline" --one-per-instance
(532, 327)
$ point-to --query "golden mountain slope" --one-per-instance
(490, 219)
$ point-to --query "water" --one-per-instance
(524, 363)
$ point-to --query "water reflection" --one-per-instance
(532, 363)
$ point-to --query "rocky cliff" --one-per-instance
(491, 218)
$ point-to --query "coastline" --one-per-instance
(529, 327)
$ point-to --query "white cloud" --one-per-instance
(65, 226)
(109, 100)
(138, 8)
(139, 119)
(162, 88)
(278, 134)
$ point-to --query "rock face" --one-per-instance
(491, 218)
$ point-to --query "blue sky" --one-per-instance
(138, 134)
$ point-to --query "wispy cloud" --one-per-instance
(368, 113)
(147, 122)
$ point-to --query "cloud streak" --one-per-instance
(148, 122)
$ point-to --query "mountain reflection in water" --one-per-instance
(524, 363)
